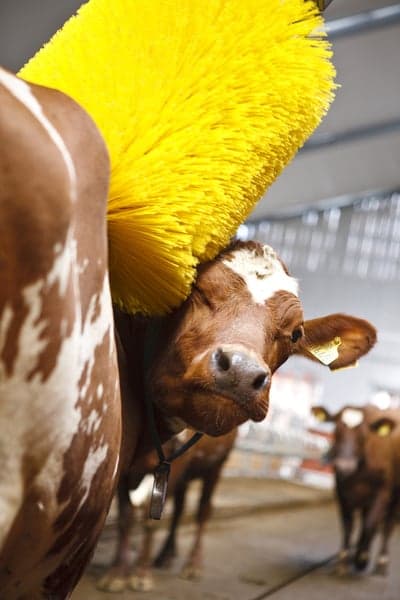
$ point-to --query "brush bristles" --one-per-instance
(201, 103)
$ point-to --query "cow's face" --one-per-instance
(356, 428)
(349, 442)
(241, 322)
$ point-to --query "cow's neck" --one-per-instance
(131, 332)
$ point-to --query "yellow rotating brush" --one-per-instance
(201, 104)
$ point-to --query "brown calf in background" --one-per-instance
(366, 459)
(204, 461)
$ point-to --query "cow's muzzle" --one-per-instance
(239, 373)
(345, 466)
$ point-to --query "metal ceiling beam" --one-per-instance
(363, 22)
(322, 140)
(342, 201)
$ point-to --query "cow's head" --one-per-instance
(355, 428)
(242, 320)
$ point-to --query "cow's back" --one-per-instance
(59, 409)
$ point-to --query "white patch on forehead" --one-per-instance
(22, 92)
(263, 275)
(352, 417)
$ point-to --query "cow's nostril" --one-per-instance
(260, 381)
(223, 360)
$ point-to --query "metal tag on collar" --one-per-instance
(159, 493)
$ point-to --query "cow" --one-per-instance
(366, 459)
(60, 416)
(208, 365)
(203, 461)
(66, 359)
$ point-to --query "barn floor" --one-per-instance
(267, 538)
(242, 509)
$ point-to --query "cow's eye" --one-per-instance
(296, 334)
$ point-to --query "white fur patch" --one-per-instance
(352, 417)
(263, 275)
(183, 436)
(93, 422)
(93, 461)
(22, 92)
(44, 414)
(142, 493)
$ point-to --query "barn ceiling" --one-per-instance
(357, 147)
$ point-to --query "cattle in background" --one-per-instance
(204, 462)
(366, 459)
(209, 368)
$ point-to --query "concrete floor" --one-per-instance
(250, 555)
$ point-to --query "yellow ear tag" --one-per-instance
(319, 415)
(328, 352)
(353, 366)
(383, 430)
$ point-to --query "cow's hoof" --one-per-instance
(141, 583)
(361, 561)
(343, 569)
(343, 566)
(110, 583)
(191, 572)
(382, 566)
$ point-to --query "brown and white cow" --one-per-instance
(210, 362)
(366, 458)
(203, 461)
(60, 418)
(208, 365)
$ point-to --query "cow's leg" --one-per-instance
(194, 564)
(115, 579)
(372, 518)
(347, 519)
(142, 579)
(382, 563)
(168, 550)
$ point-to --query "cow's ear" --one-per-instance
(321, 414)
(383, 426)
(337, 340)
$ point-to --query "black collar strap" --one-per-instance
(161, 472)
